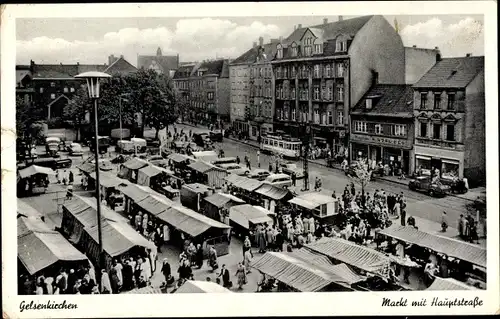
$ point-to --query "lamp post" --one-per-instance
(305, 143)
(93, 84)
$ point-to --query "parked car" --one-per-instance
(425, 184)
(279, 180)
(457, 185)
(259, 174)
(75, 149)
(200, 139)
(237, 169)
(52, 145)
(216, 136)
(291, 168)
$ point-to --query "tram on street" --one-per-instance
(281, 144)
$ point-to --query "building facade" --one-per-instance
(382, 127)
(322, 71)
(418, 61)
(449, 110)
(24, 83)
(182, 89)
(163, 64)
(205, 90)
(252, 87)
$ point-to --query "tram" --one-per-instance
(281, 144)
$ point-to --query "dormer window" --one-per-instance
(341, 45)
(279, 54)
(368, 104)
(318, 48)
(295, 50)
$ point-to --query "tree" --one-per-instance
(76, 109)
(28, 126)
(109, 104)
(362, 176)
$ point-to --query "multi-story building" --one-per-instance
(208, 90)
(163, 64)
(55, 84)
(449, 110)
(182, 88)
(252, 85)
(418, 61)
(24, 83)
(322, 71)
(382, 126)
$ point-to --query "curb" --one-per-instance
(324, 165)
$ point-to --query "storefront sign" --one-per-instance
(379, 140)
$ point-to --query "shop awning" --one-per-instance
(195, 286)
(352, 254)
(444, 284)
(34, 169)
(202, 167)
(179, 158)
(155, 204)
(233, 178)
(26, 225)
(23, 209)
(303, 203)
(243, 215)
(474, 254)
(151, 170)
(317, 198)
(271, 191)
(136, 192)
(84, 210)
(220, 199)
(247, 184)
(448, 161)
(189, 221)
(38, 250)
(118, 237)
(108, 180)
(422, 157)
(298, 273)
(135, 163)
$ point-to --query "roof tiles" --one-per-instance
(452, 73)
(387, 99)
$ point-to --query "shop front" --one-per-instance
(448, 162)
(393, 152)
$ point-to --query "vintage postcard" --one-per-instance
(216, 159)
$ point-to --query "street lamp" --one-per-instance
(93, 84)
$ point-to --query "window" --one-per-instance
(279, 54)
(340, 118)
(293, 93)
(340, 70)
(53, 96)
(285, 73)
(399, 130)
(341, 46)
(451, 101)
(436, 131)
(437, 101)
(378, 129)
(340, 93)
(316, 116)
(316, 71)
(318, 48)
(65, 90)
(423, 100)
(294, 71)
(316, 93)
(293, 114)
(210, 95)
(294, 50)
(423, 129)
(41, 90)
(330, 93)
(327, 70)
(307, 50)
(450, 132)
(360, 126)
(53, 84)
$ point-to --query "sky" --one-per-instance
(91, 41)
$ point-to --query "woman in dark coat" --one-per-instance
(166, 270)
(199, 256)
(128, 276)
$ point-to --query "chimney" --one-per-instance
(299, 26)
(121, 56)
(468, 55)
(111, 59)
(325, 21)
(414, 46)
(341, 18)
(254, 45)
(261, 41)
(438, 54)
(374, 78)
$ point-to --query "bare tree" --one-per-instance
(361, 176)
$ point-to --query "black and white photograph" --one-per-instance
(252, 153)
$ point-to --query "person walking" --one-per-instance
(258, 158)
(294, 179)
(247, 260)
(270, 167)
(166, 271)
(226, 279)
(241, 274)
(444, 222)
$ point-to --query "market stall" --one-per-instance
(109, 183)
(79, 224)
(192, 195)
(217, 206)
(245, 218)
(244, 188)
(196, 286)
(153, 176)
(25, 210)
(297, 272)
(130, 168)
(319, 205)
(446, 284)
(33, 180)
(273, 196)
(205, 173)
(43, 250)
(134, 193)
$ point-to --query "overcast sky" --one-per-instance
(58, 40)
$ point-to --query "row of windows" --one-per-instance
(379, 129)
(65, 90)
(261, 72)
(438, 104)
(260, 91)
(319, 70)
(318, 94)
(311, 48)
(324, 118)
(281, 144)
(436, 131)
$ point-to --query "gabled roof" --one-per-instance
(266, 51)
(164, 62)
(21, 74)
(387, 99)
(452, 73)
(58, 98)
(218, 67)
(184, 71)
(120, 66)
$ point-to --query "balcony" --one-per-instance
(439, 143)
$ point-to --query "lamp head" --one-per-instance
(93, 82)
